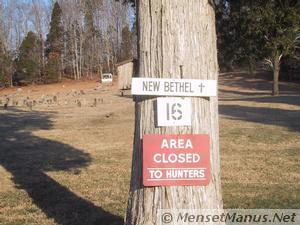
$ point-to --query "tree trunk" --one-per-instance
(175, 34)
(251, 65)
(42, 58)
(276, 76)
(80, 52)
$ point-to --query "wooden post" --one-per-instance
(176, 39)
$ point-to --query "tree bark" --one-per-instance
(251, 65)
(175, 34)
(276, 76)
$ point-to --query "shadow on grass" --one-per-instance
(284, 99)
(272, 116)
(261, 82)
(28, 157)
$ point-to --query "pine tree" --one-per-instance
(28, 66)
(6, 69)
(1, 64)
(5, 66)
(126, 45)
(53, 68)
(55, 46)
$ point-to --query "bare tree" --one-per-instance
(6, 68)
(92, 31)
(2, 26)
(73, 22)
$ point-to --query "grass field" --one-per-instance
(69, 165)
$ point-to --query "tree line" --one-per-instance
(86, 37)
(262, 30)
(45, 41)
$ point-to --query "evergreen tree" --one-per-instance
(28, 66)
(53, 68)
(237, 41)
(1, 64)
(126, 45)
(256, 30)
(55, 44)
(226, 34)
(5, 66)
(278, 24)
(55, 36)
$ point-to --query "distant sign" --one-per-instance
(173, 87)
(176, 160)
(174, 112)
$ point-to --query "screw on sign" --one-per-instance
(176, 160)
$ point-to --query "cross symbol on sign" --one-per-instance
(201, 86)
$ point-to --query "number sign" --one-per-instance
(174, 112)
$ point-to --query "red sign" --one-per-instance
(176, 160)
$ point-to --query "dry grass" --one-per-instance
(70, 165)
(260, 143)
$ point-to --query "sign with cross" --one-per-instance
(174, 87)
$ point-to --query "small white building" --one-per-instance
(126, 71)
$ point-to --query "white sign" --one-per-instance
(173, 87)
(174, 112)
